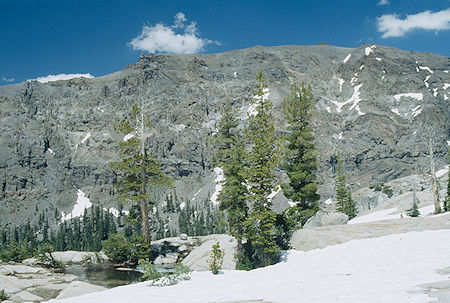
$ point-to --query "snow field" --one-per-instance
(386, 269)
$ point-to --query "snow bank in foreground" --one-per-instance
(383, 269)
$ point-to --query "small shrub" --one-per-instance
(13, 252)
(388, 191)
(378, 187)
(121, 249)
(3, 295)
(150, 273)
(215, 259)
(46, 259)
(413, 211)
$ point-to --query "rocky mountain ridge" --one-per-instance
(376, 105)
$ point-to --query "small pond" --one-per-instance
(106, 277)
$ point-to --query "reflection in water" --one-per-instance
(107, 277)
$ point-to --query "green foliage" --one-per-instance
(45, 257)
(215, 259)
(122, 249)
(150, 273)
(263, 156)
(383, 188)
(230, 156)
(344, 201)
(14, 252)
(137, 171)
(413, 211)
(261, 233)
(3, 295)
(388, 191)
(301, 154)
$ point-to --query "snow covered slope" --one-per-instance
(386, 269)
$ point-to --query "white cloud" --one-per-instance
(393, 26)
(383, 2)
(7, 79)
(50, 78)
(160, 38)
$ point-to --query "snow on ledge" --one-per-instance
(426, 68)
(341, 81)
(219, 178)
(58, 77)
(395, 111)
(88, 135)
(416, 110)
(347, 58)
(115, 212)
(128, 137)
(274, 193)
(417, 96)
(369, 50)
(442, 172)
(82, 203)
(354, 98)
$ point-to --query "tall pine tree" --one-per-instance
(263, 157)
(301, 154)
(136, 169)
(230, 157)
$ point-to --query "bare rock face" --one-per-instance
(198, 257)
(375, 108)
(322, 218)
(78, 288)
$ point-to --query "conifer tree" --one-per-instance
(447, 199)
(301, 155)
(344, 201)
(230, 157)
(263, 157)
(137, 170)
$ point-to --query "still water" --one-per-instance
(106, 277)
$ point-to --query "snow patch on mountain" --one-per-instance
(416, 110)
(426, 68)
(347, 58)
(425, 81)
(341, 82)
(395, 111)
(219, 178)
(369, 50)
(81, 204)
(51, 78)
(417, 96)
(354, 98)
(128, 137)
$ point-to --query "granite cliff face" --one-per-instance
(376, 105)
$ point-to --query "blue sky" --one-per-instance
(51, 37)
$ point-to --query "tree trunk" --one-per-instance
(437, 204)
